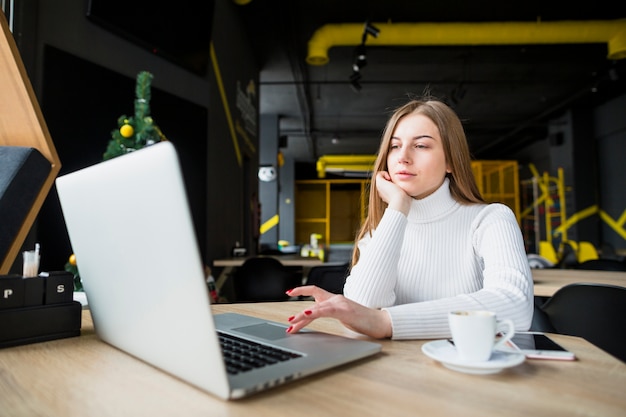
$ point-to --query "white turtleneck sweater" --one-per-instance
(443, 256)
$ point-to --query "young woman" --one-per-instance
(430, 244)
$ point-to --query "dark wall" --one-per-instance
(81, 103)
(610, 133)
(233, 150)
(586, 177)
(90, 83)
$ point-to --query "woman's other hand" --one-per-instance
(368, 321)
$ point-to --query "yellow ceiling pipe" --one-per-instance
(345, 163)
(612, 32)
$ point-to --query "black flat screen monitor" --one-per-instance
(179, 31)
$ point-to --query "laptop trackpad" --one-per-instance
(264, 330)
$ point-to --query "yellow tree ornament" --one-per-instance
(72, 267)
(127, 130)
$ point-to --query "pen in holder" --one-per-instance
(31, 262)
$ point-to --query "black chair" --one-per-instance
(607, 251)
(263, 278)
(596, 312)
(329, 277)
(567, 256)
(602, 265)
(541, 321)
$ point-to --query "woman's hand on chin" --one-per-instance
(395, 197)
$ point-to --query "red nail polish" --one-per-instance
(289, 291)
(291, 318)
(308, 312)
(289, 329)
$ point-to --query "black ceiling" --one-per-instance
(504, 94)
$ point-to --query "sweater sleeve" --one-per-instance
(372, 280)
(507, 282)
(503, 278)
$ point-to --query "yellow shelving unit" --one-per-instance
(544, 213)
(498, 181)
(332, 208)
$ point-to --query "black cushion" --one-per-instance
(23, 172)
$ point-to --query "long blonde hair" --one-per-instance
(463, 187)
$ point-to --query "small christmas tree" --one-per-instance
(133, 133)
(137, 131)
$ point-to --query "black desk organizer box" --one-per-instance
(38, 309)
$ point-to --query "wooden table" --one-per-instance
(83, 376)
(548, 281)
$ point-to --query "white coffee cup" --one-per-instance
(474, 333)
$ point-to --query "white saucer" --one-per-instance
(444, 352)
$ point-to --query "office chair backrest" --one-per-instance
(607, 251)
(568, 258)
(329, 277)
(602, 265)
(596, 312)
(263, 279)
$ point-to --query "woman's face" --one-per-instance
(416, 160)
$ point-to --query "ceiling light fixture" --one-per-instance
(360, 59)
(369, 29)
(354, 81)
(360, 55)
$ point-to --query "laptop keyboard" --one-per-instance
(243, 355)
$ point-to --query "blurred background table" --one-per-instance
(287, 260)
(548, 281)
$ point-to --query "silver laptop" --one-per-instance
(131, 230)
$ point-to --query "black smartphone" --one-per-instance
(536, 345)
